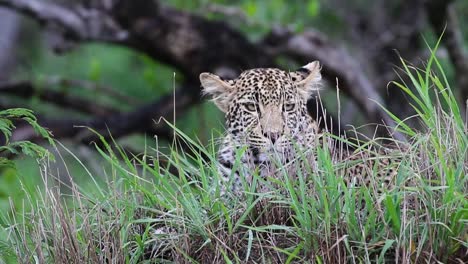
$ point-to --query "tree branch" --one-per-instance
(26, 89)
(92, 86)
(145, 119)
(380, 32)
(48, 13)
(74, 24)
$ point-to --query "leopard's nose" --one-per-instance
(273, 136)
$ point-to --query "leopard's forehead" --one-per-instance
(266, 84)
(263, 78)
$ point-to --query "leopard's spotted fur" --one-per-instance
(266, 114)
(265, 111)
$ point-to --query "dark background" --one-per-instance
(123, 66)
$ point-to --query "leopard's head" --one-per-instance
(265, 107)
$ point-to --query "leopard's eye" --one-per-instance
(250, 107)
(289, 106)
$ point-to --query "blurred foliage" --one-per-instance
(130, 73)
(257, 17)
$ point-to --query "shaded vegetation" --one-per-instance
(145, 213)
(134, 177)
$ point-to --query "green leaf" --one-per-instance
(250, 9)
(95, 70)
(387, 246)
(313, 8)
(6, 163)
(392, 211)
(5, 127)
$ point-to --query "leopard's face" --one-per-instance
(265, 107)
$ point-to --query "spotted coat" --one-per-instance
(267, 121)
(266, 116)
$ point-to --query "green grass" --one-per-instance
(167, 207)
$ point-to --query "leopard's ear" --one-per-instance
(219, 90)
(308, 78)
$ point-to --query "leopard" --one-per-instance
(265, 111)
(268, 125)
